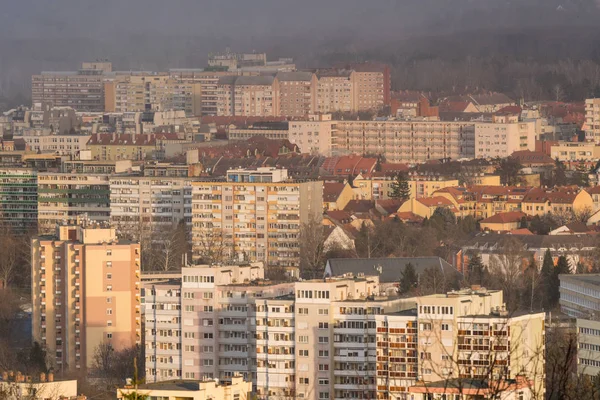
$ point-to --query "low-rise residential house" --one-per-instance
(336, 195)
(337, 238)
(426, 206)
(595, 193)
(503, 222)
(560, 201)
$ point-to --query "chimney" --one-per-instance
(4, 376)
(475, 287)
(50, 377)
(42, 377)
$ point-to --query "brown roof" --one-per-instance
(340, 216)
(390, 206)
(332, 191)
(407, 216)
(510, 110)
(350, 165)
(593, 190)
(504, 218)
(521, 231)
(528, 157)
(435, 201)
(560, 195)
(359, 206)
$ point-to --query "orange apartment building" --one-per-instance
(85, 291)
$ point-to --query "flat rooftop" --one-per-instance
(590, 279)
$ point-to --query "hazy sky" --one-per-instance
(40, 35)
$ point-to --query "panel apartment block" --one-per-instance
(63, 197)
(255, 215)
(85, 291)
(18, 199)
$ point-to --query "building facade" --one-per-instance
(82, 90)
(58, 144)
(313, 135)
(255, 215)
(85, 292)
(592, 120)
(65, 196)
(503, 137)
(19, 204)
(150, 204)
(405, 141)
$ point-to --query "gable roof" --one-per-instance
(332, 191)
(504, 218)
(388, 269)
(435, 201)
(528, 157)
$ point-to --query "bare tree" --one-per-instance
(312, 249)
(209, 246)
(9, 258)
(506, 268)
(169, 245)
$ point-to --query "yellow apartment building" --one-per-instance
(85, 292)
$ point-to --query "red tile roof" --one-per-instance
(340, 216)
(390, 206)
(522, 231)
(504, 218)
(407, 216)
(435, 201)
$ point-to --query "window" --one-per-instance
(208, 336)
(109, 311)
(108, 323)
(323, 339)
(109, 335)
(109, 299)
(323, 353)
(303, 381)
(303, 339)
(108, 264)
(426, 326)
(109, 288)
(445, 327)
(323, 325)
(323, 367)
(323, 311)
(303, 353)
(303, 311)
(323, 381)
(108, 252)
(207, 362)
(108, 276)
(323, 395)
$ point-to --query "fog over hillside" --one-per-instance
(40, 35)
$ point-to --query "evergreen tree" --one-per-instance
(399, 188)
(475, 269)
(581, 269)
(409, 279)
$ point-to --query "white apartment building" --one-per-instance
(592, 120)
(503, 136)
(162, 321)
(218, 319)
(339, 338)
(313, 135)
(255, 215)
(59, 144)
(150, 203)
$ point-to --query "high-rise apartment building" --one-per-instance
(335, 91)
(82, 90)
(152, 204)
(152, 92)
(253, 215)
(162, 324)
(340, 338)
(64, 196)
(19, 199)
(503, 136)
(208, 81)
(405, 141)
(248, 96)
(85, 292)
(592, 120)
(296, 93)
(314, 135)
